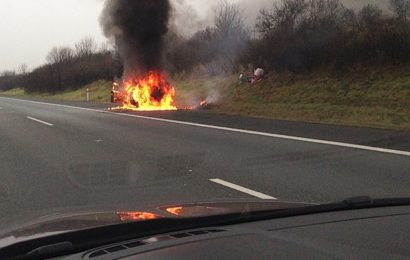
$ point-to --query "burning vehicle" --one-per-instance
(138, 28)
(149, 93)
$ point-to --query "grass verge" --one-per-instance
(376, 97)
(99, 91)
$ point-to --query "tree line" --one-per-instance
(66, 68)
(290, 35)
(298, 36)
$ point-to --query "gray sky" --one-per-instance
(30, 28)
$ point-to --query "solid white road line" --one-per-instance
(39, 121)
(56, 105)
(286, 137)
(243, 189)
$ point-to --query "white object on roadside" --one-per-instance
(259, 72)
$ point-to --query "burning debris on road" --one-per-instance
(138, 29)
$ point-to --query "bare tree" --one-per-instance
(8, 73)
(229, 18)
(7, 80)
(401, 8)
(283, 15)
(86, 47)
(369, 14)
(104, 48)
(265, 21)
(59, 55)
(22, 69)
(231, 32)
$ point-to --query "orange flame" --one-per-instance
(203, 103)
(136, 216)
(175, 210)
(150, 93)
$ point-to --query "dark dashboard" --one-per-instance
(373, 233)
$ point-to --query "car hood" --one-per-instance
(75, 220)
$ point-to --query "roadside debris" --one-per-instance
(257, 76)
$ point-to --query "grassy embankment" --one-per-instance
(362, 97)
(365, 97)
(99, 92)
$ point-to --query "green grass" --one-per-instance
(99, 92)
(377, 97)
(13, 92)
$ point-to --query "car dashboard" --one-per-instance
(374, 233)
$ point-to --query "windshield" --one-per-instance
(134, 108)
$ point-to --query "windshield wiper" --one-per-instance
(78, 241)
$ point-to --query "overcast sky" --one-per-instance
(30, 28)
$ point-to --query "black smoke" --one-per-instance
(138, 28)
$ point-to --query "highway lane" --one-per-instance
(399, 140)
(72, 164)
(54, 157)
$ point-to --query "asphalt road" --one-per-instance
(59, 156)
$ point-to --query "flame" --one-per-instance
(203, 103)
(136, 216)
(175, 210)
(150, 93)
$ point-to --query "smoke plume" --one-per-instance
(137, 29)
(183, 11)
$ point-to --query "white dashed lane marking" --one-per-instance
(39, 121)
(243, 189)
